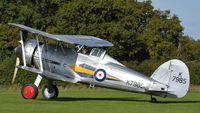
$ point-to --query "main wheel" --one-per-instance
(50, 92)
(153, 100)
(29, 91)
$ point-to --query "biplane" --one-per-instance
(89, 63)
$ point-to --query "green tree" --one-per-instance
(143, 37)
(118, 21)
(162, 34)
(8, 41)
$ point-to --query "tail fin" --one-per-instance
(175, 74)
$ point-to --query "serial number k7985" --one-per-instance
(134, 84)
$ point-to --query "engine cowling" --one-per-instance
(30, 47)
(54, 58)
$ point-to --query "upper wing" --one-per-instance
(89, 41)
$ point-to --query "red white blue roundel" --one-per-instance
(100, 75)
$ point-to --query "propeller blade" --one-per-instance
(16, 69)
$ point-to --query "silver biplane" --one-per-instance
(88, 63)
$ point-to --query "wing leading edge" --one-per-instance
(89, 41)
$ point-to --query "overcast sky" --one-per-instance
(187, 10)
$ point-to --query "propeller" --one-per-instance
(18, 54)
(16, 69)
(18, 51)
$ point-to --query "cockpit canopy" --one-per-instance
(98, 52)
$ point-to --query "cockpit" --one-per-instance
(98, 52)
(95, 52)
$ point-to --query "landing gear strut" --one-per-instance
(153, 99)
(50, 92)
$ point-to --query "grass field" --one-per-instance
(97, 101)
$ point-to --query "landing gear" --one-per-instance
(153, 99)
(50, 92)
(29, 91)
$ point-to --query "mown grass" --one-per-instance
(97, 101)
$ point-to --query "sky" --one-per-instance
(188, 12)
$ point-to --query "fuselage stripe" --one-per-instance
(84, 72)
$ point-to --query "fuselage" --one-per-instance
(93, 67)
(77, 65)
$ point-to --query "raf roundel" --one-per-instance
(100, 75)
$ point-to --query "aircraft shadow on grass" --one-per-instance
(67, 99)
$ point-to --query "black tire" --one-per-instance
(56, 91)
(50, 92)
(153, 100)
(29, 91)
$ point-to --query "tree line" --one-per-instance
(143, 37)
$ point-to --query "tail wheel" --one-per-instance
(50, 92)
(29, 91)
